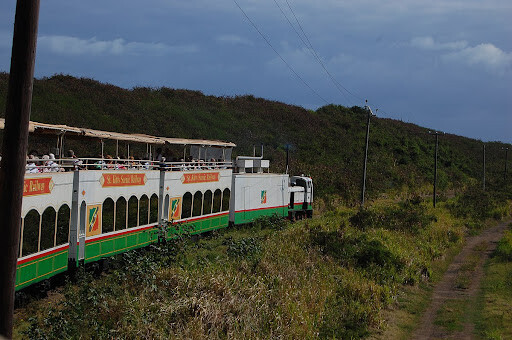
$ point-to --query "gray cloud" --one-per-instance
(233, 39)
(486, 54)
(428, 43)
(66, 45)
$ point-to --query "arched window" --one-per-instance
(187, 205)
(198, 204)
(48, 229)
(153, 209)
(107, 216)
(217, 197)
(31, 233)
(133, 210)
(225, 199)
(121, 215)
(144, 210)
(63, 217)
(207, 202)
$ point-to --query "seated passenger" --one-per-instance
(132, 164)
(74, 163)
(110, 162)
(119, 164)
(31, 165)
(54, 167)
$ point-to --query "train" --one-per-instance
(77, 211)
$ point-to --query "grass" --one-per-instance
(495, 300)
(451, 315)
(329, 277)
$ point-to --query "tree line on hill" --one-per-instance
(327, 144)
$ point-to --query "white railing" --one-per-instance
(40, 165)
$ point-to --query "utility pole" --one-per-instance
(14, 151)
(483, 168)
(436, 133)
(370, 114)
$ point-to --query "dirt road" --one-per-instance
(447, 316)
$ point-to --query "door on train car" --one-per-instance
(81, 232)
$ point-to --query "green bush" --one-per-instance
(409, 216)
(477, 204)
(504, 248)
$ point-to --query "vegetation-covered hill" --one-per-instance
(327, 143)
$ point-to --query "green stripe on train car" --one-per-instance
(249, 216)
(199, 226)
(96, 250)
(40, 269)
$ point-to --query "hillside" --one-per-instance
(327, 143)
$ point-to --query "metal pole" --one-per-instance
(14, 151)
(483, 168)
(435, 169)
(366, 154)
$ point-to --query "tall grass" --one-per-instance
(320, 278)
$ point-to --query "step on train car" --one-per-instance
(79, 210)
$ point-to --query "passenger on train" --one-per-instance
(31, 165)
(119, 165)
(132, 164)
(159, 156)
(110, 162)
(53, 166)
(73, 163)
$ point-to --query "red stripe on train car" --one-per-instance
(44, 253)
(128, 231)
(201, 218)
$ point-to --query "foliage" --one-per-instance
(316, 278)
(327, 144)
(477, 204)
(410, 216)
(503, 250)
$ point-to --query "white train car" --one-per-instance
(100, 207)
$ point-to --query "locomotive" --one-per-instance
(101, 207)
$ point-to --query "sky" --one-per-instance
(442, 64)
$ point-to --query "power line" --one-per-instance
(309, 45)
(284, 61)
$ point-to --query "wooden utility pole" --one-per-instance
(363, 189)
(14, 151)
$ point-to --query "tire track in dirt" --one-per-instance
(450, 289)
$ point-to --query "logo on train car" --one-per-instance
(122, 180)
(175, 209)
(263, 196)
(200, 178)
(37, 186)
(93, 220)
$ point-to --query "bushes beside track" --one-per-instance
(326, 277)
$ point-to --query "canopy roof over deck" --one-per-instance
(51, 129)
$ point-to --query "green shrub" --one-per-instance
(477, 204)
(410, 216)
(504, 248)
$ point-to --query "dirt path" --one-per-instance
(447, 316)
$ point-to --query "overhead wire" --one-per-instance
(355, 95)
(311, 49)
(281, 57)
(309, 45)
